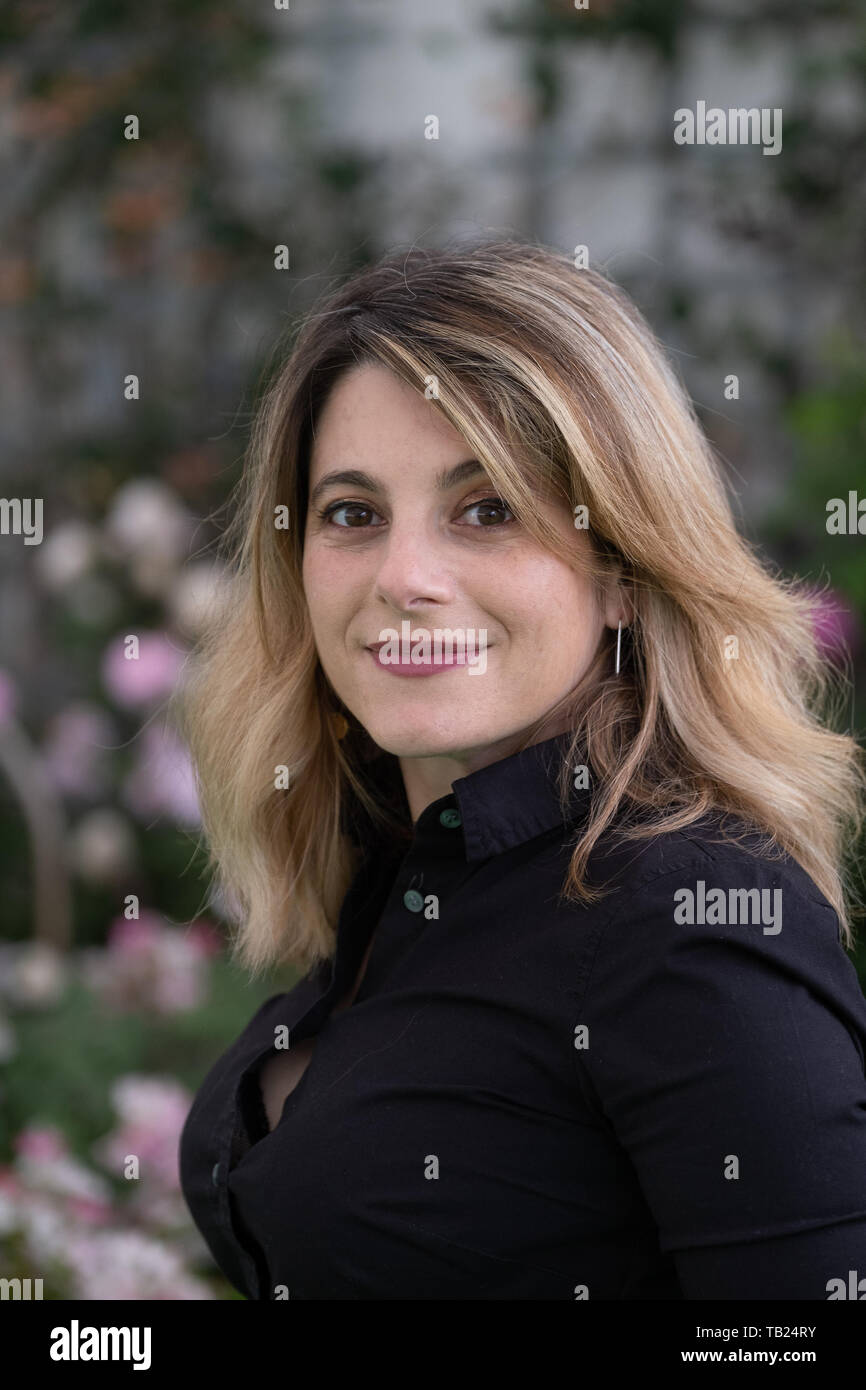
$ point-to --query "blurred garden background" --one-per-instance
(148, 248)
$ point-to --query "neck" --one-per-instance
(428, 779)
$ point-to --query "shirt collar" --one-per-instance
(511, 801)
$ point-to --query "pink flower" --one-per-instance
(89, 1212)
(128, 1265)
(162, 781)
(135, 937)
(64, 1212)
(61, 1176)
(836, 626)
(138, 680)
(41, 1143)
(77, 748)
(205, 938)
(152, 1113)
(10, 1185)
(149, 965)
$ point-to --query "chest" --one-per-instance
(437, 1145)
(281, 1072)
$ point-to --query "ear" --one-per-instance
(619, 603)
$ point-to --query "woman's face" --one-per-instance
(402, 527)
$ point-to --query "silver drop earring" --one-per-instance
(618, 641)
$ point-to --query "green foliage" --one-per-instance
(828, 424)
(69, 1056)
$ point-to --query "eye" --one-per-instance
(355, 518)
(487, 508)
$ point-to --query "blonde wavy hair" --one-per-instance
(558, 385)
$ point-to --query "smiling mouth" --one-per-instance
(441, 661)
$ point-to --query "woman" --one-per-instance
(569, 884)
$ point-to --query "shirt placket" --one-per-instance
(434, 867)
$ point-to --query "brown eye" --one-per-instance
(490, 511)
(356, 512)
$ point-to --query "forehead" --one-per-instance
(371, 409)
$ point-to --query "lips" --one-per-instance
(377, 646)
(465, 656)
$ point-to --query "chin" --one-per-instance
(412, 737)
(418, 743)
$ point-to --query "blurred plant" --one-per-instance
(29, 778)
(64, 1223)
(836, 626)
(86, 1095)
(77, 747)
(150, 965)
(149, 530)
(101, 847)
(828, 428)
(149, 675)
(162, 781)
(151, 1112)
(827, 424)
(33, 974)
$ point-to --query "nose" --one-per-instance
(413, 570)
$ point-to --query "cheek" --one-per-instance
(324, 587)
(334, 598)
(550, 606)
(308, 567)
(321, 608)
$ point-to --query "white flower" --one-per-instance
(126, 1265)
(66, 554)
(46, 1231)
(146, 519)
(36, 975)
(102, 845)
(149, 1100)
(197, 594)
(65, 1177)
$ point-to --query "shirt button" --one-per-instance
(216, 1174)
(450, 819)
(413, 900)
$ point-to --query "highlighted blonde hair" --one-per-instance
(560, 388)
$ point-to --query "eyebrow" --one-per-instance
(354, 477)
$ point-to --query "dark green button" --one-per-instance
(413, 900)
(450, 819)
(215, 1175)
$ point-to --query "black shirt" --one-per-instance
(534, 1099)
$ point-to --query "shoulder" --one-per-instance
(714, 917)
(716, 853)
(722, 1022)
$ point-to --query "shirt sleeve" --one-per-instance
(728, 1058)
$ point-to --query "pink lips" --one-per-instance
(429, 668)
